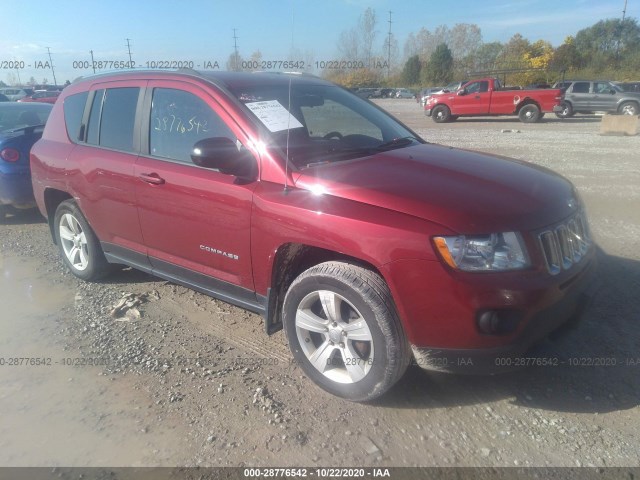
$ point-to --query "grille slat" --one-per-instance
(565, 244)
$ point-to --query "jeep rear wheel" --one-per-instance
(344, 332)
(79, 246)
(441, 114)
(529, 113)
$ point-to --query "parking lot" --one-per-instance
(195, 381)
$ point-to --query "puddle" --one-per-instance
(55, 414)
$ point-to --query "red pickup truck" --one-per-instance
(486, 96)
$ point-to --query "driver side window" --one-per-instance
(179, 119)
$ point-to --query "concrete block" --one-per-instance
(619, 125)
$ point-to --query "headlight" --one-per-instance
(494, 252)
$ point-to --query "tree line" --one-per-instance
(609, 49)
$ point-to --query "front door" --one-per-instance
(193, 219)
(476, 100)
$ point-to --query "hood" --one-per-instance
(467, 192)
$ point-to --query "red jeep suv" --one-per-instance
(294, 198)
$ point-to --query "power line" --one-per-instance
(52, 70)
(389, 48)
(129, 50)
(235, 50)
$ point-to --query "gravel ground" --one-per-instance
(194, 381)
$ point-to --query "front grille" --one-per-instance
(565, 244)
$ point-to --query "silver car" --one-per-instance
(588, 96)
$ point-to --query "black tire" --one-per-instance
(529, 113)
(628, 108)
(355, 369)
(441, 114)
(80, 248)
(566, 112)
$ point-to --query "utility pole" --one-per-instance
(93, 63)
(624, 11)
(129, 50)
(389, 48)
(235, 50)
(52, 70)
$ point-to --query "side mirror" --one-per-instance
(222, 154)
(612, 91)
(462, 92)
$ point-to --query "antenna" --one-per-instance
(286, 163)
(93, 63)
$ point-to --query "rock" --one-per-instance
(369, 447)
(485, 452)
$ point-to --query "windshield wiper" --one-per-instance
(14, 130)
(397, 142)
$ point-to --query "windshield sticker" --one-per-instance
(273, 115)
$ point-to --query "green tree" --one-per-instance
(609, 42)
(439, 69)
(411, 71)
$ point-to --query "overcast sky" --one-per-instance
(202, 30)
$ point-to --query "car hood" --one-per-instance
(467, 192)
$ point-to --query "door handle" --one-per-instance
(477, 97)
(152, 178)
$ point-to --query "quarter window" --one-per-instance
(179, 120)
(73, 110)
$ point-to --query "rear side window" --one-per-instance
(73, 110)
(581, 87)
(112, 118)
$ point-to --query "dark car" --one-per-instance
(48, 96)
(292, 197)
(21, 126)
(4, 98)
(589, 96)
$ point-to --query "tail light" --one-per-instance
(10, 155)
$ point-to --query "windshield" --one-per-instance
(326, 123)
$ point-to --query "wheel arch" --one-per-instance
(52, 199)
(527, 101)
(289, 261)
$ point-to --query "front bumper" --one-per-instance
(513, 356)
(427, 112)
(16, 190)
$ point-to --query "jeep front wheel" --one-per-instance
(344, 332)
(79, 246)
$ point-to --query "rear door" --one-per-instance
(195, 221)
(579, 95)
(103, 163)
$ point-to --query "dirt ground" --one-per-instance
(195, 381)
